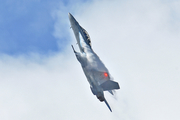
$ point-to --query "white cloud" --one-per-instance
(139, 43)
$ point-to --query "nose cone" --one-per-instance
(70, 16)
(72, 19)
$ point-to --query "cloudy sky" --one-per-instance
(138, 40)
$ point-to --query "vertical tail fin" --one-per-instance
(107, 105)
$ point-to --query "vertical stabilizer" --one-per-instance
(107, 105)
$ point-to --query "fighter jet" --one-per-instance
(95, 71)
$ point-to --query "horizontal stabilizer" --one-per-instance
(110, 91)
(109, 85)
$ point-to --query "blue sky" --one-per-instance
(28, 26)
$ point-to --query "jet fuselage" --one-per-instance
(95, 71)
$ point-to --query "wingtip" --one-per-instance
(73, 49)
(107, 105)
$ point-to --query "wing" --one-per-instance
(100, 77)
(80, 58)
(105, 81)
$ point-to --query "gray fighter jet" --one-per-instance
(95, 71)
